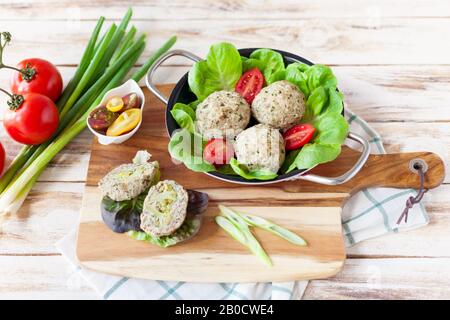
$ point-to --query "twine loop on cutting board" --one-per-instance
(420, 167)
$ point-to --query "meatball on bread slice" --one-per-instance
(127, 181)
(279, 105)
(164, 209)
(260, 148)
(223, 114)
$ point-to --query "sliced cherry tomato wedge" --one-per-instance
(250, 84)
(298, 136)
(115, 104)
(127, 121)
(131, 100)
(218, 151)
(101, 118)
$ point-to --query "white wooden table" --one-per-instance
(392, 60)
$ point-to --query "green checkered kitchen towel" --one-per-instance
(369, 213)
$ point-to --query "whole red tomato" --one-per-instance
(46, 79)
(2, 158)
(34, 121)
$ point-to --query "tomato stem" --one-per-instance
(28, 72)
(15, 100)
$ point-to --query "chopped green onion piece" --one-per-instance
(232, 230)
(267, 225)
(248, 238)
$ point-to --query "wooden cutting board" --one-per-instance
(311, 210)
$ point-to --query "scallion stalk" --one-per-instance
(12, 193)
(89, 71)
(126, 42)
(82, 66)
(81, 106)
(137, 76)
(114, 44)
(17, 163)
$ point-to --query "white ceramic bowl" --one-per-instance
(128, 87)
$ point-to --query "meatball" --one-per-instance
(222, 114)
(260, 148)
(127, 181)
(279, 105)
(164, 209)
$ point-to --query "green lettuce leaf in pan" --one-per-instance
(269, 62)
(324, 105)
(309, 78)
(184, 115)
(220, 71)
(243, 171)
(187, 147)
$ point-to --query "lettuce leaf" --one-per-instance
(184, 115)
(188, 229)
(324, 105)
(313, 154)
(269, 62)
(309, 78)
(243, 171)
(220, 71)
(187, 147)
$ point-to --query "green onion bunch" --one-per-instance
(105, 64)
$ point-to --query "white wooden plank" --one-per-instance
(386, 279)
(49, 213)
(376, 93)
(41, 277)
(210, 9)
(412, 278)
(68, 165)
(329, 41)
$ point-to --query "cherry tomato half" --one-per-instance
(47, 80)
(127, 121)
(298, 136)
(34, 121)
(101, 118)
(114, 104)
(2, 159)
(250, 84)
(130, 101)
(218, 151)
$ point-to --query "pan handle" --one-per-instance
(148, 79)
(350, 173)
